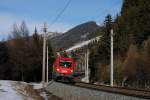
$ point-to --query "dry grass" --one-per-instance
(27, 91)
(49, 96)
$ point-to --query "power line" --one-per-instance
(61, 12)
(106, 11)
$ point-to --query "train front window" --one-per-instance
(65, 64)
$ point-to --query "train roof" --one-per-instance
(64, 58)
(64, 54)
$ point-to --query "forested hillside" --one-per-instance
(131, 46)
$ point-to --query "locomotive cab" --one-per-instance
(63, 68)
(65, 65)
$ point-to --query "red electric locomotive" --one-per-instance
(63, 67)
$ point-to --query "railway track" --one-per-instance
(118, 90)
(84, 91)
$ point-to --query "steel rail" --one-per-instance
(118, 90)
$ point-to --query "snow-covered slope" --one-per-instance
(17, 90)
(7, 92)
(82, 44)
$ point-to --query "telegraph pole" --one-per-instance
(86, 61)
(44, 47)
(87, 65)
(47, 64)
(111, 66)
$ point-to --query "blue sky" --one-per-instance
(35, 12)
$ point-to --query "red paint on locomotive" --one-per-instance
(64, 67)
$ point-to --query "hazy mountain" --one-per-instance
(54, 34)
(75, 35)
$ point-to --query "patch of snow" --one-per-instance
(84, 43)
(7, 92)
(85, 35)
(37, 85)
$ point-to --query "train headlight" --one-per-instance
(58, 69)
(71, 71)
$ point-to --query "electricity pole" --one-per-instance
(87, 65)
(86, 79)
(111, 60)
(47, 64)
(44, 47)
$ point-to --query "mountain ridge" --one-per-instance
(75, 35)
